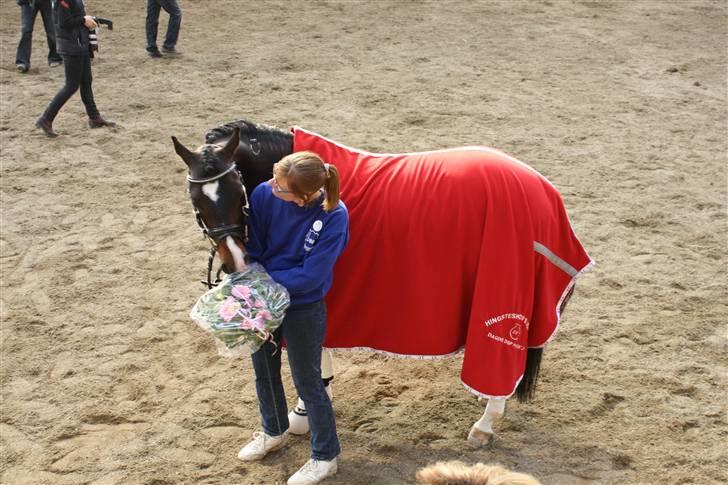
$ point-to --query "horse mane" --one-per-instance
(264, 145)
(270, 138)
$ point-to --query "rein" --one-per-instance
(216, 234)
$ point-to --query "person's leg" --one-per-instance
(304, 337)
(175, 20)
(153, 9)
(87, 93)
(27, 19)
(268, 385)
(46, 13)
(73, 66)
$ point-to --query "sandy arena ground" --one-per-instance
(621, 104)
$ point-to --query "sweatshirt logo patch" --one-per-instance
(313, 235)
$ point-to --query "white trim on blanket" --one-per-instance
(488, 396)
(427, 152)
(561, 300)
(400, 356)
(427, 357)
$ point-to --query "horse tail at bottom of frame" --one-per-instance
(526, 389)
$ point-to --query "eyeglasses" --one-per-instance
(277, 188)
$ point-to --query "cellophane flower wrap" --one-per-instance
(242, 311)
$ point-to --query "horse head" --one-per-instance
(219, 198)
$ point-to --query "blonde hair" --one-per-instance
(458, 473)
(306, 173)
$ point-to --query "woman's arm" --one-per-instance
(71, 15)
(320, 261)
(257, 226)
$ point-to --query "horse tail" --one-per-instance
(527, 387)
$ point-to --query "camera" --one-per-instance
(93, 40)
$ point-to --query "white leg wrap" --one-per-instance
(327, 364)
(298, 419)
(482, 431)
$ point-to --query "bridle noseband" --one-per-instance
(216, 234)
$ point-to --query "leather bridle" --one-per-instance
(216, 234)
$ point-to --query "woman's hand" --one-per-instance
(89, 23)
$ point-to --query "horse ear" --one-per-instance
(189, 157)
(232, 144)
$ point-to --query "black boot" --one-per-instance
(46, 126)
(98, 122)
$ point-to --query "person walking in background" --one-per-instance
(28, 11)
(175, 20)
(72, 27)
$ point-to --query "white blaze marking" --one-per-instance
(237, 253)
(210, 190)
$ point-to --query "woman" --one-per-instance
(298, 227)
(72, 26)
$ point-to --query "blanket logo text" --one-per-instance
(510, 326)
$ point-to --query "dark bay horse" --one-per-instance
(502, 285)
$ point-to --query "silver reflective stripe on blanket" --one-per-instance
(557, 261)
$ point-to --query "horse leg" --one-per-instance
(298, 418)
(481, 434)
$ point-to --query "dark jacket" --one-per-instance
(71, 34)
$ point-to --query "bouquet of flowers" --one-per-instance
(242, 311)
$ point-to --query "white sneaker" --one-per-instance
(313, 472)
(261, 445)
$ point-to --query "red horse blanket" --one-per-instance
(456, 248)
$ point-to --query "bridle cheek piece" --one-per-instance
(216, 234)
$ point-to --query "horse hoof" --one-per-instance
(479, 439)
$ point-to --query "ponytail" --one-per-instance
(331, 188)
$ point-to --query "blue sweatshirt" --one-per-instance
(298, 246)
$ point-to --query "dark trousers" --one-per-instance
(175, 20)
(303, 329)
(78, 75)
(27, 22)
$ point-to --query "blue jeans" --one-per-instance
(175, 20)
(27, 22)
(303, 329)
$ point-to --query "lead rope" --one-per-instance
(210, 260)
(270, 387)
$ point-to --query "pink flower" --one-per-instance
(253, 324)
(259, 304)
(241, 292)
(265, 315)
(258, 323)
(247, 323)
(229, 308)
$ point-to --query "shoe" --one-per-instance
(46, 126)
(171, 51)
(313, 472)
(55, 63)
(22, 67)
(98, 122)
(154, 54)
(261, 445)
